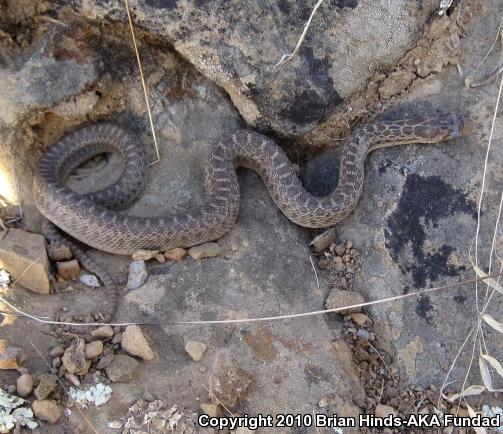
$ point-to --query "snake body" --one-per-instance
(93, 219)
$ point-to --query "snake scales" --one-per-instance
(93, 219)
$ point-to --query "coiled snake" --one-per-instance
(92, 218)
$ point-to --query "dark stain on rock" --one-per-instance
(424, 307)
(384, 165)
(315, 374)
(344, 3)
(162, 4)
(424, 201)
(460, 298)
(315, 102)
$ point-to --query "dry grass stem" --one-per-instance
(287, 57)
(144, 84)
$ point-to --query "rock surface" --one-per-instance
(24, 256)
(255, 279)
(413, 226)
(237, 43)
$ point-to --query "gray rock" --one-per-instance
(137, 274)
(237, 43)
(89, 280)
(104, 361)
(122, 369)
(47, 384)
(21, 251)
(41, 80)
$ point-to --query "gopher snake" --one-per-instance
(92, 220)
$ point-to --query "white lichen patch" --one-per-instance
(12, 413)
(97, 395)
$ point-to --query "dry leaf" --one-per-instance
(490, 281)
(472, 413)
(469, 391)
(496, 325)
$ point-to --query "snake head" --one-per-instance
(446, 126)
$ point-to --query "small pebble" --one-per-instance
(56, 362)
(160, 258)
(207, 250)
(122, 369)
(117, 339)
(68, 270)
(93, 349)
(46, 410)
(137, 274)
(384, 410)
(341, 298)
(147, 396)
(72, 378)
(144, 255)
(47, 384)
(340, 249)
(195, 350)
(11, 388)
(104, 361)
(175, 254)
(90, 280)
(57, 352)
(324, 240)
(360, 319)
(103, 332)
(24, 385)
(364, 334)
(135, 343)
(59, 252)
